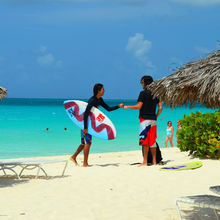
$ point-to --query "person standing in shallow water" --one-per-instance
(169, 136)
(86, 139)
(179, 127)
(148, 119)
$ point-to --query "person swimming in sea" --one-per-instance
(169, 136)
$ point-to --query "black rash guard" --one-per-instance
(95, 102)
(148, 109)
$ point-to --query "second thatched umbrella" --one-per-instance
(3, 92)
(197, 81)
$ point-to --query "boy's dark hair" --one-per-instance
(147, 80)
(97, 87)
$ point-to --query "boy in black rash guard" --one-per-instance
(148, 119)
(86, 139)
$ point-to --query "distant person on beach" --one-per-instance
(179, 127)
(169, 136)
(86, 139)
(148, 119)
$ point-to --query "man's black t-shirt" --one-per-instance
(95, 102)
(148, 109)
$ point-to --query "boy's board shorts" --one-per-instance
(86, 138)
(148, 132)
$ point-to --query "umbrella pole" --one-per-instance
(165, 115)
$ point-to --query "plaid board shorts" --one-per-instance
(148, 132)
(86, 138)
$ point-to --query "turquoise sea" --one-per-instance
(23, 124)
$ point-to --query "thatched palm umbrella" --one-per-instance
(197, 81)
(3, 92)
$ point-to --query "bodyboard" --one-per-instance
(99, 125)
(186, 166)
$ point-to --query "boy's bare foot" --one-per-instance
(86, 165)
(73, 159)
(142, 164)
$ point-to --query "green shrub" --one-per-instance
(200, 134)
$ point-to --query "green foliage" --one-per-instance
(200, 134)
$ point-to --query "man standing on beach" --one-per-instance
(148, 119)
(86, 139)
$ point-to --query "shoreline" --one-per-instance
(110, 154)
(65, 155)
(91, 153)
(111, 189)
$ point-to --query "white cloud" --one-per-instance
(49, 60)
(138, 45)
(46, 60)
(198, 2)
(140, 48)
(41, 49)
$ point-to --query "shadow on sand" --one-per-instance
(107, 165)
(43, 177)
(160, 163)
(9, 181)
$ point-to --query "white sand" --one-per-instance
(112, 189)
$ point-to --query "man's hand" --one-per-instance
(85, 131)
(125, 107)
(121, 105)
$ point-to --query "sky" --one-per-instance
(61, 48)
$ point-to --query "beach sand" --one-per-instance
(112, 189)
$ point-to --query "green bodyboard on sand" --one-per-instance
(186, 166)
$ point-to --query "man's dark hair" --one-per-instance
(97, 87)
(147, 80)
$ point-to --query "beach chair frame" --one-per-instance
(203, 201)
(28, 165)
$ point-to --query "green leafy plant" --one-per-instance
(200, 134)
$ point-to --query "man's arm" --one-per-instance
(86, 115)
(137, 106)
(160, 108)
(108, 108)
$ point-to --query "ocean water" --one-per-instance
(23, 124)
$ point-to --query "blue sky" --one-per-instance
(61, 48)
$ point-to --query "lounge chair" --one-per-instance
(203, 201)
(28, 165)
(215, 189)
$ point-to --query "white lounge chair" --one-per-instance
(203, 201)
(215, 189)
(28, 165)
